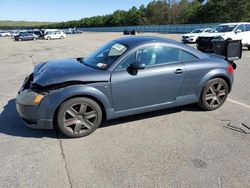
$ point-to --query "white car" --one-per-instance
(54, 35)
(192, 37)
(232, 31)
(5, 33)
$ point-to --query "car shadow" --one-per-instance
(11, 124)
(137, 117)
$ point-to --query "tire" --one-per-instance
(79, 117)
(61, 37)
(248, 47)
(19, 39)
(48, 38)
(214, 94)
(34, 38)
(133, 32)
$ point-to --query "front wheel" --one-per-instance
(214, 94)
(78, 117)
(61, 37)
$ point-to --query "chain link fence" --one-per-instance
(170, 28)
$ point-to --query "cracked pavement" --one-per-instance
(179, 147)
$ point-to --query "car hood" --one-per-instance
(212, 34)
(67, 70)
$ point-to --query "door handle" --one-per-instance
(178, 71)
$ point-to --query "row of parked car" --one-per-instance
(229, 31)
(47, 34)
(38, 34)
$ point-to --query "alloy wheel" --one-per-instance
(215, 94)
(80, 118)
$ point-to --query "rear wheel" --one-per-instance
(214, 94)
(78, 117)
(49, 38)
(61, 37)
(19, 39)
(34, 38)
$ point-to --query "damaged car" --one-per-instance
(126, 76)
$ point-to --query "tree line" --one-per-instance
(160, 12)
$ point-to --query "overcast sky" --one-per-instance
(61, 10)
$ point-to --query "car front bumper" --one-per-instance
(33, 115)
(188, 40)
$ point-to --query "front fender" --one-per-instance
(51, 102)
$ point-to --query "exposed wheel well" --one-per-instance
(75, 96)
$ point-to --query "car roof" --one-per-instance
(235, 23)
(139, 40)
(134, 41)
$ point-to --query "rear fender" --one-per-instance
(215, 73)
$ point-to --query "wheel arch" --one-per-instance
(220, 73)
(49, 107)
(98, 101)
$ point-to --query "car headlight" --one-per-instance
(29, 97)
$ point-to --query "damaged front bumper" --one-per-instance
(33, 113)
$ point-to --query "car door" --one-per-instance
(158, 83)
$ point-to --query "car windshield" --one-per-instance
(103, 57)
(197, 31)
(224, 28)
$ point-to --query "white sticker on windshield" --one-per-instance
(118, 47)
(101, 65)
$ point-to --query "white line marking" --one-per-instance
(239, 103)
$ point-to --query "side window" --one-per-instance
(241, 27)
(156, 55)
(167, 55)
(188, 57)
(125, 63)
(247, 27)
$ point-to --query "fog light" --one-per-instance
(38, 98)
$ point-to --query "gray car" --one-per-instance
(126, 76)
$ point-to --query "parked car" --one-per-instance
(72, 31)
(25, 36)
(192, 36)
(127, 32)
(54, 35)
(38, 33)
(126, 76)
(232, 31)
(20, 32)
(5, 33)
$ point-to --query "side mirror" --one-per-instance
(137, 65)
(238, 31)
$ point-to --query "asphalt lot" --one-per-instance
(180, 147)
